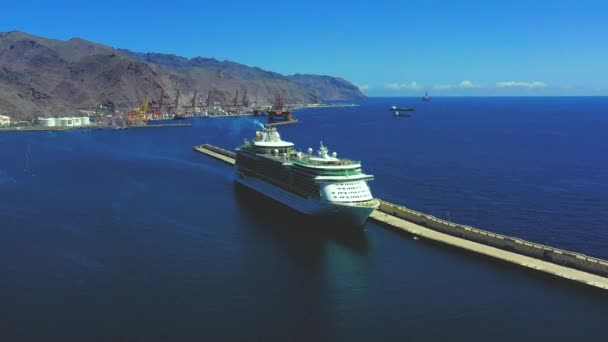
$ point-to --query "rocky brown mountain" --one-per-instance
(47, 77)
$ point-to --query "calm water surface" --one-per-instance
(132, 236)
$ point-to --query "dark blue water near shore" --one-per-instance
(132, 236)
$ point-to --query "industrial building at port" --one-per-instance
(5, 120)
(65, 121)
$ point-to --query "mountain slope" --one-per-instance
(327, 87)
(48, 77)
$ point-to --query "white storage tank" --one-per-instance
(47, 122)
(76, 122)
(66, 122)
(85, 120)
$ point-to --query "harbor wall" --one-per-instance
(546, 253)
(219, 150)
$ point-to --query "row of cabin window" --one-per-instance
(345, 193)
(351, 197)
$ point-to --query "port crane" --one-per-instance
(192, 106)
(139, 115)
(157, 108)
(208, 101)
(245, 101)
(236, 99)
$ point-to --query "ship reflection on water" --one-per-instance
(294, 227)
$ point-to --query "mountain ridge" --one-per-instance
(49, 77)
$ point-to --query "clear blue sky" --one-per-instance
(532, 47)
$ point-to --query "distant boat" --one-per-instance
(401, 109)
(402, 115)
(426, 97)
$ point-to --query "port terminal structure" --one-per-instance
(556, 262)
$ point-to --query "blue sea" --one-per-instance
(132, 236)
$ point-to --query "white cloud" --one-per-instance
(531, 85)
(462, 85)
(442, 86)
(467, 84)
(407, 86)
(362, 87)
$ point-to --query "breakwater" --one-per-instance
(334, 105)
(564, 264)
(282, 123)
(217, 153)
(88, 127)
(508, 243)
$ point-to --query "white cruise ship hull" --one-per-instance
(352, 213)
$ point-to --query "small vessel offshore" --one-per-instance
(401, 109)
(316, 185)
(402, 115)
(426, 97)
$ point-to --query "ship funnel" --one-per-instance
(323, 151)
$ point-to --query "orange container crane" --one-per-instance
(138, 116)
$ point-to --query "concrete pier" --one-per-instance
(334, 105)
(282, 123)
(564, 264)
(511, 257)
(162, 125)
(90, 127)
(217, 153)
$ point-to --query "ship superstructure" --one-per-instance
(314, 184)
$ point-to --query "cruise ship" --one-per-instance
(318, 184)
